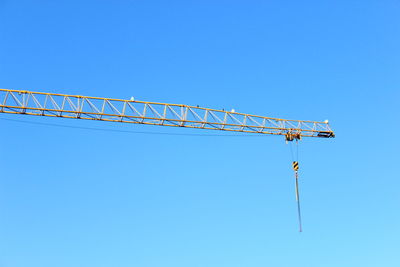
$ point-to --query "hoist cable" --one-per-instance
(291, 151)
(298, 202)
(295, 165)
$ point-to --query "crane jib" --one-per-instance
(154, 113)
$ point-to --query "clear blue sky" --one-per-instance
(75, 197)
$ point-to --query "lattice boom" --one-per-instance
(141, 112)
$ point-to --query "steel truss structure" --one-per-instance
(141, 112)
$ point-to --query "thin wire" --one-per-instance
(291, 150)
(298, 203)
(126, 131)
(295, 158)
(297, 189)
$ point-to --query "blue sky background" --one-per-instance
(76, 197)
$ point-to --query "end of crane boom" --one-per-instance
(326, 134)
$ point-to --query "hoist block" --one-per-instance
(295, 165)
